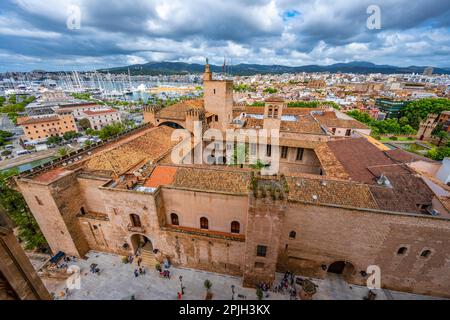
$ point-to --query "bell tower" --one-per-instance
(207, 75)
(218, 98)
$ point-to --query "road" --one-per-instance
(11, 163)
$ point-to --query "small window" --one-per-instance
(425, 254)
(269, 150)
(235, 227)
(348, 132)
(402, 251)
(299, 154)
(284, 152)
(39, 202)
(82, 211)
(261, 251)
(135, 220)
(174, 219)
(292, 234)
(204, 224)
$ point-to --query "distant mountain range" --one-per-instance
(362, 67)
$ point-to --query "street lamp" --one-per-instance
(181, 284)
(232, 290)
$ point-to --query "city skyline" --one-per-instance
(37, 35)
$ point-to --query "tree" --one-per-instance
(63, 151)
(70, 135)
(17, 209)
(3, 136)
(84, 123)
(439, 153)
(259, 293)
(441, 135)
(54, 140)
(111, 130)
(208, 285)
(417, 110)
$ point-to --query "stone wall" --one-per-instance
(325, 235)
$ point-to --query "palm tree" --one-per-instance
(63, 151)
(208, 285)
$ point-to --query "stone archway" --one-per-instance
(342, 268)
(143, 245)
(171, 124)
(139, 241)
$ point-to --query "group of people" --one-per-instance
(94, 269)
(287, 284)
(139, 271)
(265, 287)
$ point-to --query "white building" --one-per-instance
(100, 118)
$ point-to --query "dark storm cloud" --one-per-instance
(117, 32)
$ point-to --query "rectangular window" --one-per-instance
(261, 251)
(284, 152)
(348, 132)
(299, 154)
(269, 150)
(39, 202)
(253, 149)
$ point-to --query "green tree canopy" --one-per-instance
(54, 140)
(84, 123)
(416, 111)
(17, 209)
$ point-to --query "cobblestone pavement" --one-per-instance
(116, 281)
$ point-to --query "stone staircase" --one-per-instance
(148, 257)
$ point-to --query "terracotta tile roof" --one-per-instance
(28, 120)
(178, 111)
(148, 147)
(296, 143)
(302, 125)
(330, 164)
(330, 192)
(341, 123)
(51, 175)
(99, 112)
(399, 155)
(212, 179)
(356, 156)
(162, 175)
(408, 191)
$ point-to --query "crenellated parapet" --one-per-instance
(195, 114)
(150, 113)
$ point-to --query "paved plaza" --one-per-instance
(116, 281)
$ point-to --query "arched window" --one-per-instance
(135, 220)
(174, 219)
(402, 251)
(204, 223)
(425, 253)
(292, 234)
(235, 227)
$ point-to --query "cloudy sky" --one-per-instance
(44, 34)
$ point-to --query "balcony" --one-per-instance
(136, 229)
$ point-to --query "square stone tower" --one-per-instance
(273, 111)
(218, 98)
